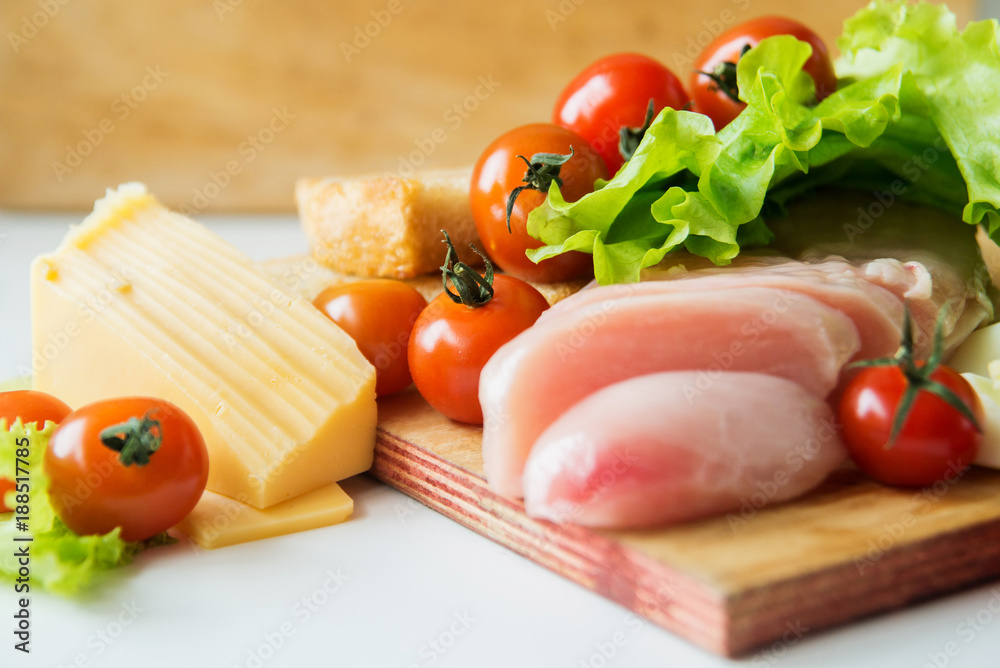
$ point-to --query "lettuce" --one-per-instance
(906, 113)
(60, 560)
(957, 76)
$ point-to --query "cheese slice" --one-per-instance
(142, 301)
(218, 521)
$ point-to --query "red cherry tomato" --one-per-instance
(711, 100)
(93, 491)
(379, 315)
(612, 93)
(499, 171)
(5, 486)
(451, 344)
(30, 406)
(936, 442)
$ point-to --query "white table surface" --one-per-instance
(398, 585)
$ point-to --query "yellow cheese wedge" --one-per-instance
(989, 397)
(142, 301)
(218, 521)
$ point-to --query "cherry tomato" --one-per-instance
(499, 171)
(94, 491)
(379, 315)
(612, 93)
(711, 100)
(30, 406)
(451, 344)
(5, 486)
(935, 443)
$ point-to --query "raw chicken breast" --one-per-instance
(549, 367)
(646, 452)
(876, 311)
(929, 257)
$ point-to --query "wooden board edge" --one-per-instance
(668, 598)
(730, 625)
(896, 578)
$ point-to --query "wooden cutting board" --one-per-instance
(849, 549)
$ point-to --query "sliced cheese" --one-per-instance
(989, 398)
(218, 521)
(142, 301)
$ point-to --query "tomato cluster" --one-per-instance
(597, 124)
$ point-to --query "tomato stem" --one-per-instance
(473, 290)
(135, 440)
(918, 376)
(629, 138)
(543, 169)
(724, 77)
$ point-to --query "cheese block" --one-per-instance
(388, 225)
(218, 521)
(142, 301)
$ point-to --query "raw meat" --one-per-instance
(876, 311)
(646, 453)
(929, 257)
(538, 375)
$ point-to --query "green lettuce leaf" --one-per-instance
(60, 560)
(917, 115)
(958, 75)
(688, 186)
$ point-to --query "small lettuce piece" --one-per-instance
(687, 186)
(957, 74)
(60, 561)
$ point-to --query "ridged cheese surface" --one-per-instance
(142, 301)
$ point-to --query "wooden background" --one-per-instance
(222, 104)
